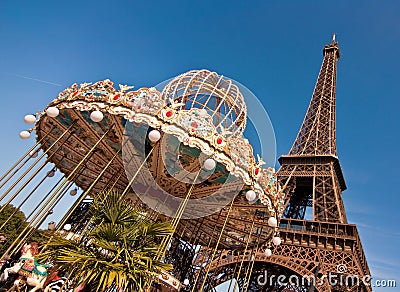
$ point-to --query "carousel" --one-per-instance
(178, 154)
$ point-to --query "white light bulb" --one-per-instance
(203, 112)
(251, 195)
(268, 252)
(29, 119)
(52, 111)
(186, 282)
(209, 164)
(24, 135)
(276, 240)
(67, 227)
(154, 136)
(272, 222)
(96, 116)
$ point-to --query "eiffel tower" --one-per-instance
(326, 249)
(313, 176)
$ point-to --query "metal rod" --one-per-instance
(37, 160)
(136, 173)
(234, 271)
(32, 176)
(165, 242)
(14, 172)
(53, 197)
(245, 249)
(84, 217)
(40, 203)
(14, 246)
(216, 246)
(44, 198)
(24, 201)
(249, 270)
(19, 161)
(208, 246)
(85, 193)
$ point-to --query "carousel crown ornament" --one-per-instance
(180, 154)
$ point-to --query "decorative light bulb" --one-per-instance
(24, 135)
(209, 164)
(186, 282)
(203, 112)
(96, 116)
(154, 136)
(268, 252)
(52, 111)
(251, 195)
(67, 227)
(276, 240)
(272, 222)
(29, 119)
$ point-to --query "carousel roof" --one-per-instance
(200, 116)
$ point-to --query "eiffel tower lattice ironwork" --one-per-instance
(325, 246)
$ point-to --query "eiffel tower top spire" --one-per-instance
(317, 135)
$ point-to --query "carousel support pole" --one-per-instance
(245, 250)
(234, 272)
(40, 216)
(33, 175)
(85, 193)
(89, 154)
(37, 160)
(136, 173)
(112, 178)
(216, 246)
(192, 247)
(115, 182)
(249, 269)
(207, 248)
(67, 184)
(251, 266)
(24, 201)
(28, 153)
(43, 216)
(43, 211)
(120, 173)
(165, 242)
(46, 196)
(13, 173)
(24, 185)
(85, 217)
(154, 214)
(40, 203)
(133, 177)
(53, 197)
(62, 192)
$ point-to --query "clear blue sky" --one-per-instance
(272, 47)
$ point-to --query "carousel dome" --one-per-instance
(212, 94)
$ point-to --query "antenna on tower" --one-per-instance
(334, 37)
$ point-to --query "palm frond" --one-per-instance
(118, 252)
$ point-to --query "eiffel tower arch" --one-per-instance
(317, 247)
